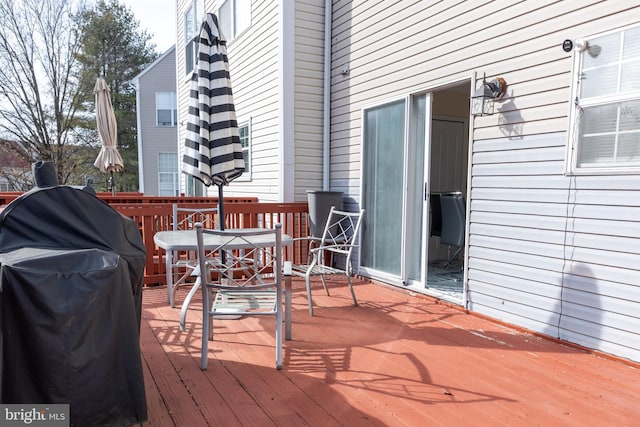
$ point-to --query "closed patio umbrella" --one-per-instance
(109, 159)
(212, 149)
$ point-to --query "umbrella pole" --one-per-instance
(113, 184)
(223, 255)
(220, 208)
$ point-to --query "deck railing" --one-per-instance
(152, 218)
(153, 214)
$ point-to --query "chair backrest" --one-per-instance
(186, 218)
(453, 219)
(250, 258)
(341, 232)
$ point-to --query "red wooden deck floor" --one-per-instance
(396, 360)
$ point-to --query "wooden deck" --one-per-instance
(396, 360)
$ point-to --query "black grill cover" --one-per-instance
(71, 274)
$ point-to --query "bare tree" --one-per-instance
(39, 83)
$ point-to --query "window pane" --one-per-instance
(189, 23)
(243, 15)
(630, 116)
(168, 162)
(596, 149)
(225, 19)
(599, 119)
(602, 51)
(164, 100)
(599, 81)
(244, 136)
(245, 142)
(168, 174)
(629, 148)
(166, 108)
(383, 186)
(631, 49)
(164, 118)
(630, 77)
(245, 154)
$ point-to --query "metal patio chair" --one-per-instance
(339, 239)
(248, 280)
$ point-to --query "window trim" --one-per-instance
(575, 113)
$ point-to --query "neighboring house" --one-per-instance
(15, 171)
(157, 116)
(551, 179)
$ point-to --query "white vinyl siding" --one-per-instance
(309, 52)
(254, 65)
(552, 253)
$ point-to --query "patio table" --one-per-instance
(185, 240)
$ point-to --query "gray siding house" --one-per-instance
(157, 116)
(372, 98)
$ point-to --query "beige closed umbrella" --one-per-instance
(109, 159)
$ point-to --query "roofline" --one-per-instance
(153, 64)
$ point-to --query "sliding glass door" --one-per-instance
(394, 159)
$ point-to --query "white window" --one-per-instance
(192, 21)
(166, 109)
(234, 16)
(168, 184)
(605, 131)
(245, 140)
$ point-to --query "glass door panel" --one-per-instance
(383, 174)
(394, 185)
(416, 220)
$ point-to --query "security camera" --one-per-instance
(567, 45)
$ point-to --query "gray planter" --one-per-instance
(320, 203)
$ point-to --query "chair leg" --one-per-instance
(452, 257)
(206, 326)
(353, 293)
(174, 287)
(309, 300)
(279, 331)
(324, 284)
(185, 304)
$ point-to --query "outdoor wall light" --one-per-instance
(483, 100)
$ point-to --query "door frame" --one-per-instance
(401, 280)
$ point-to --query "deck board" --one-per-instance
(397, 359)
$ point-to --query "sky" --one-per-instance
(158, 18)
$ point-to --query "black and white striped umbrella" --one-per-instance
(212, 150)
